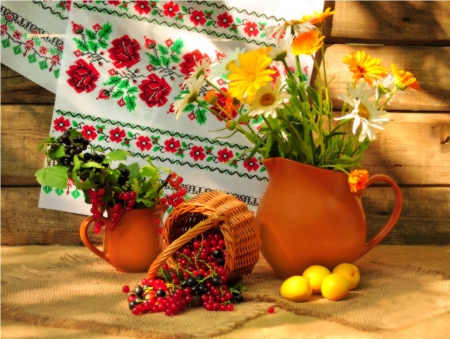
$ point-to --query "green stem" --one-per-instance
(215, 87)
(275, 135)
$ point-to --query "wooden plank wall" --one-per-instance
(414, 149)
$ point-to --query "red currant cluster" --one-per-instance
(198, 279)
(177, 197)
(98, 207)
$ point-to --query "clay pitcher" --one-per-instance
(308, 216)
(135, 244)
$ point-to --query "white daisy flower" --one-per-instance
(189, 97)
(363, 113)
(267, 100)
(384, 87)
(281, 49)
(201, 69)
(221, 68)
(297, 25)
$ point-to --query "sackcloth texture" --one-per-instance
(73, 289)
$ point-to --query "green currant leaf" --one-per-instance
(116, 155)
(55, 176)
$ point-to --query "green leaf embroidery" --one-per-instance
(177, 46)
(81, 45)
(175, 58)
(156, 148)
(210, 158)
(201, 116)
(189, 107)
(101, 137)
(155, 11)
(132, 90)
(114, 81)
(184, 9)
(37, 42)
(105, 32)
(209, 23)
(165, 61)
(17, 50)
(238, 20)
(103, 44)
(74, 123)
(55, 176)
(75, 194)
(163, 49)
(59, 191)
(124, 84)
(90, 34)
(126, 142)
(118, 94)
(154, 60)
(130, 100)
(47, 189)
(93, 46)
(130, 135)
(184, 145)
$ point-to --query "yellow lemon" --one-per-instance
(315, 274)
(296, 288)
(335, 287)
(349, 271)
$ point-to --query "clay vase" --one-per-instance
(308, 216)
(134, 245)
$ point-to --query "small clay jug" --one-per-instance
(308, 216)
(132, 246)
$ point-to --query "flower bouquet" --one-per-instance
(281, 115)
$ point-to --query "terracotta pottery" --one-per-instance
(308, 216)
(134, 245)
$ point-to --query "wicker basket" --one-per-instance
(204, 212)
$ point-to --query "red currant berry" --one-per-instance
(270, 309)
(125, 289)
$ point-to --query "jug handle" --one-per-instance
(85, 239)
(384, 231)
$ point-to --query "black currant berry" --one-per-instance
(220, 262)
(101, 157)
(138, 291)
(239, 298)
(121, 180)
(200, 277)
(217, 254)
(195, 290)
(125, 172)
(202, 289)
(160, 293)
(191, 281)
(87, 156)
(132, 304)
(216, 281)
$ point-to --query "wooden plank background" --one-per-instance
(414, 149)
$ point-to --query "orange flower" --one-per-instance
(307, 43)
(265, 50)
(210, 97)
(231, 105)
(317, 18)
(403, 79)
(364, 66)
(358, 180)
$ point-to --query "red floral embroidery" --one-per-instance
(103, 94)
(112, 72)
(171, 145)
(224, 20)
(117, 134)
(251, 165)
(188, 64)
(169, 42)
(61, 47)
(17, 35)
(224, 155)
(55, 60)
(76, 28)
(61, 124)
(150, 68)
(144, 143)
(43, 50)
(251, 29)
(97, 27)
(142, 7)
(89, 132)
(3, 29)
(198, 18)
(276, 75)
(9, 17)
(78, 53)
(171, 9)
(149, 43)
(197, 153)
(114, 2)
(192, 116)
(125, 52)
(121, 102)
(82, 76)
(154, 91)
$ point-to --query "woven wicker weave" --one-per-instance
(204, 212)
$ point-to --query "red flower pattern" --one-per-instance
(224, 155)
(114, 2)
(144, 143)
(116, 134)
(252, 164)
(149, 43)
(197, 152)
(188, 64)
(171, 9)
(3, 29)
(82, 76)
(61, 124)
(171, 145)
(89, 132)
(251, 29)
(154, 91)
(76, 28)
(124, 52)
(143, 7)
(17, 35)
(43, 50)
(198, 18)
(97, 27)
(224, 20)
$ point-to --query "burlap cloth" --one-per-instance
(69, 288)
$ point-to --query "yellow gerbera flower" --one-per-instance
(317, 17)
(404, 79)
(250, 76)
(358, 180)
(307, 43)
(364, 66)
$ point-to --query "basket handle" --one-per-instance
(203, 226)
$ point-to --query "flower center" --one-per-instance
(267, 99)
(363, 111)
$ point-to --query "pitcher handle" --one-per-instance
(384, 231)
(85, 239)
